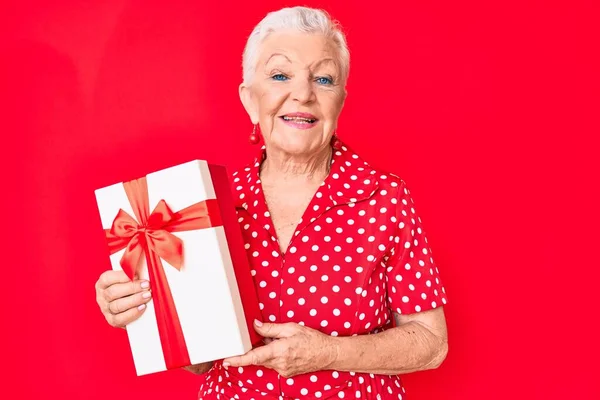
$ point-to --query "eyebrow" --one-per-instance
(277, 54)
(318, 63)
(324, 60)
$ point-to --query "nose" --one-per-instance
(303, 91)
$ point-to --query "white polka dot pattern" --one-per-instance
(359, 251)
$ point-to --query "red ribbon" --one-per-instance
(149, 235)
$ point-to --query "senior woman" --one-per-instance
(349, 292)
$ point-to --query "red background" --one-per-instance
(488, 111)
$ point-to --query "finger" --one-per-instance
(122, 319)
(271, 330)
(267, 340)
(119, 290)
(125, 303)
(257, 356)
(111, 277)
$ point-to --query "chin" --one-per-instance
(296, 144)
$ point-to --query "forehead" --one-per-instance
(299, 47)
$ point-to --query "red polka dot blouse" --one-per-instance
(358, 253)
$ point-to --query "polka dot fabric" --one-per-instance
(358, 253)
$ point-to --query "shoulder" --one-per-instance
(247, 173)
(239, 174)
(357, 179)
(244, 182)
(387, 183)
(238, 178)
(390, 193)
(391, 182)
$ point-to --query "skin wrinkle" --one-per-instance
(317, 167)
(428, 339)
(310, 68)
(266, 99)
(421, 351)
(276, 54)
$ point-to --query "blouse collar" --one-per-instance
(350, 180)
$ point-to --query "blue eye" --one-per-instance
(279, 77)
(323, 80)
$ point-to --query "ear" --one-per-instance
(249, 102)
(343, 101)
(344, 96)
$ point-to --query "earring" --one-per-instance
(254, 137)
(335, 142)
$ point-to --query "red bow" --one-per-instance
(150, 235)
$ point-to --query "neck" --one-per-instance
(284, 167)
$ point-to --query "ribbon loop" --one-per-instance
(124, 225)
(161, 216)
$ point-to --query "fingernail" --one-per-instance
(141, 307)
(146, 295)
(258, 323)
(145, 285)
(226, 364)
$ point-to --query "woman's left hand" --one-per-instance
(295, 350)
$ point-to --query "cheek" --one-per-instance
(331, 104)
(271, 102)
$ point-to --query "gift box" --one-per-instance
(178, 229)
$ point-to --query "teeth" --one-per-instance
(298, 119)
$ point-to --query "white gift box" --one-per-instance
(205, 289)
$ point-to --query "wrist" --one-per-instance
(334, 354)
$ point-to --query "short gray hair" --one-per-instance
(301, 19)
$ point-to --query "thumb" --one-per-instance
(271, 330)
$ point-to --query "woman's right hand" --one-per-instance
(121, 300)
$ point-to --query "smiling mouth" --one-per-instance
(300, 120)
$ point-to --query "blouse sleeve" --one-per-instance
(413, 281)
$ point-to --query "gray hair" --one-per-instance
(301, 19)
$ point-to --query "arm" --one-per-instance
(418, 342)
(199, 369)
